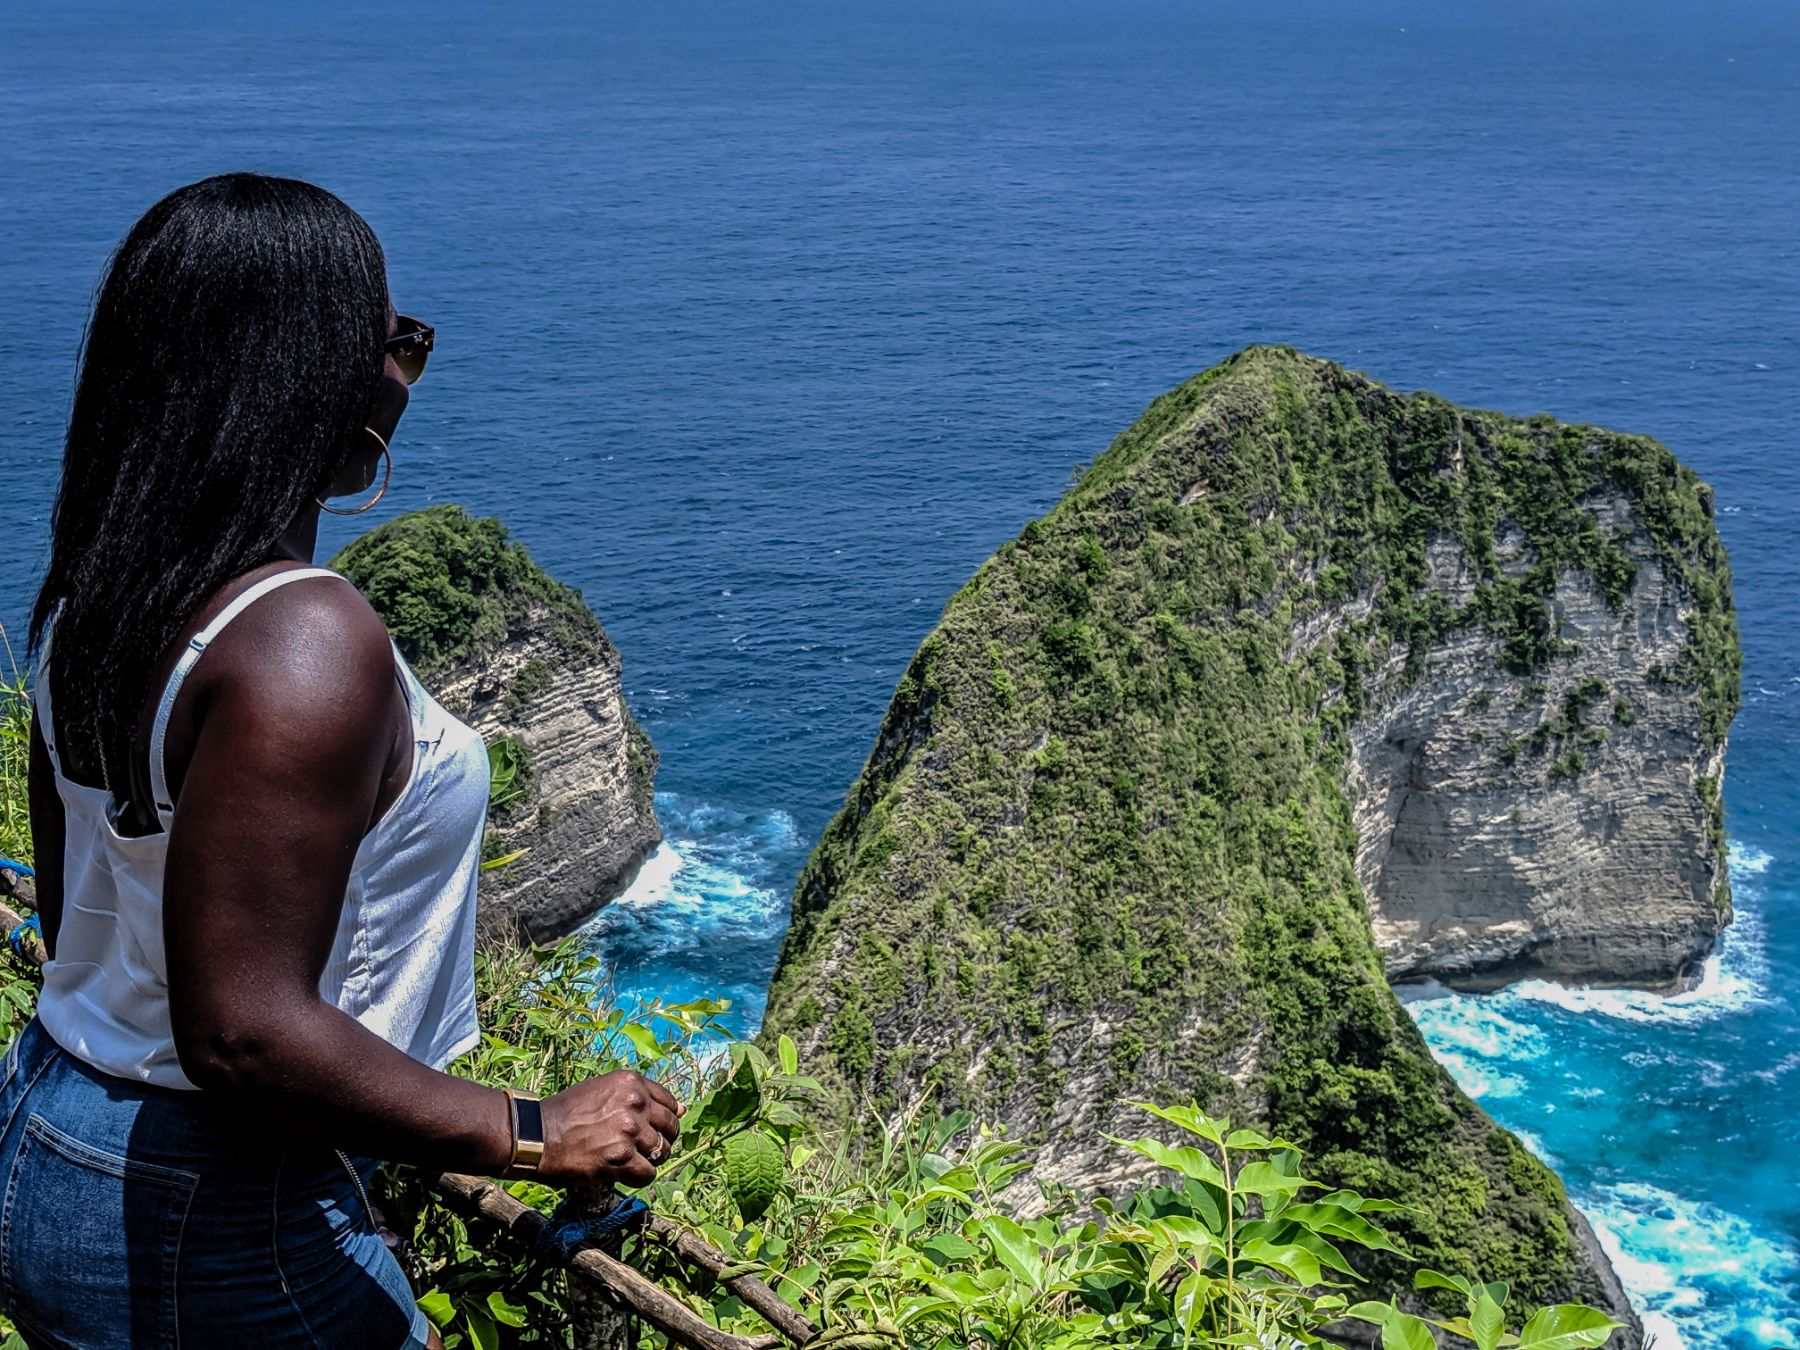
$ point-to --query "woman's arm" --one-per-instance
(295, 723)
(47, 833)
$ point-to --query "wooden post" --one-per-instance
(599, 1324)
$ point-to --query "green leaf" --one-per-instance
(1287, 1258)
(754, 1166)
(1325, 1250)
(1014, 1248)
(1334, 1220)
(1369, 1311)
(1188, 1231)
(1248, 1139)
(1567, 1326)
(437, 1306)
(1190, 1162)
(482, 1330)
(494, 864)
(1191, 1301)
(1432, 1279)
(1190, 1118)
(1403, 1331)
(1208, 1202)
(792, 1283)
(789, 1056)
(1486, 1322)
(643, 1040)
(948, 1247)
(731, 1103)
(510, 1314)
(1259, 1178)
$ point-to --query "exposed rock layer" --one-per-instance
(522, 660)
(1485, 860)
(584, 822)
(1292, 637)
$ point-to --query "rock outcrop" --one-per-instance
(520, 658)
(1556, 823)
(1305, 681)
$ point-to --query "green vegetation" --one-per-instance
(1108, 792)
(15, 758)
(449, 585)
(509, 774)
(533, 678)
(907, 1243)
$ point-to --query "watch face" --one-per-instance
(528, 1131)
(531, 1120)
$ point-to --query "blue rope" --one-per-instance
(16, 939)
(14, 865)
(564, 1235)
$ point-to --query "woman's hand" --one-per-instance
(616, 1128)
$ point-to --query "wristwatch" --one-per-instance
(527, 1131)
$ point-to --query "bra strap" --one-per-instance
(196, 647)
(40, 691)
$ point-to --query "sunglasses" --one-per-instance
(411, 346)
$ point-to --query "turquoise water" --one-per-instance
(765, 323)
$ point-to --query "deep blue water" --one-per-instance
(765, 323)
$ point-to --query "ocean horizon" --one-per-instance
(765, 325)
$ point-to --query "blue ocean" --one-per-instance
(764, 323)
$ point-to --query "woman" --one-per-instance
(257, 835)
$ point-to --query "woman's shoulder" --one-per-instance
(300, 669)
(294, 631)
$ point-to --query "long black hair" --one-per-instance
(233, 356)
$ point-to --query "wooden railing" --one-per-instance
(607, 1294)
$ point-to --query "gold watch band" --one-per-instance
(527, 1130)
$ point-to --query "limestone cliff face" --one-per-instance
(1557, 823)
(522, 660)
(581, 823)
(1305, 682)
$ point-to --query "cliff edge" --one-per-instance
(520, 657)
(1307, 682)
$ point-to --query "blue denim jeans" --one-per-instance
(136, 1217)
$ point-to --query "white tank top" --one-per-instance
(403, 961)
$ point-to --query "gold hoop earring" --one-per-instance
(387, 476)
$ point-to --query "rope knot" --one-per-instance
(33, 928)
(564, 1235)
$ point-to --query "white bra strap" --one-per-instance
(197, 645)
(40, 691)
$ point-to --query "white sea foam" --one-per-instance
(691, 885)
(700, 909)
(1733, 978)
(1478, 1043)
(1699, 1275)
(655, 881)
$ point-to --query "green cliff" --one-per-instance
(1107, 842)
